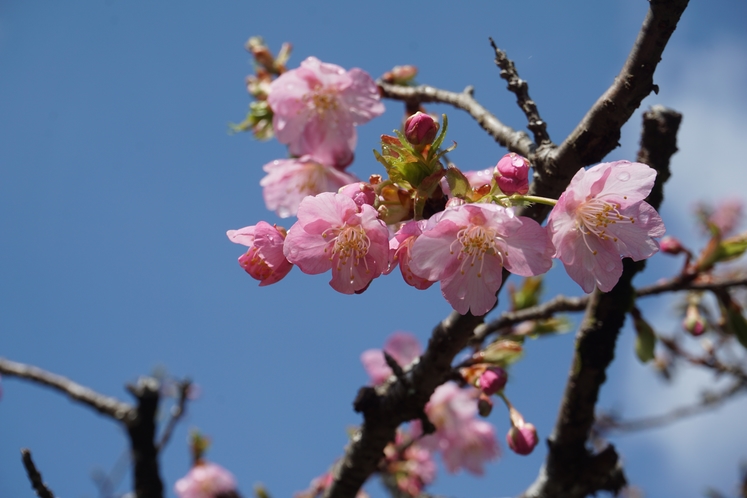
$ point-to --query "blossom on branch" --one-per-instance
(400, 246)
(403, 347)
(333, 232)
(264, 260)
(463, 440)
(288, 181)
(602, 216)
(205, 480)
(512, 174)
(317, 106)
(468, 248)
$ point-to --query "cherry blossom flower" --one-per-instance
(288, 181)
(463, 440)
(403, 347)
(399, 252)
(412, 467)
(319, 485)
(264, 260)
(468, 248)
(317, 106)
(602, 216)
(205, 480)
(333, 232)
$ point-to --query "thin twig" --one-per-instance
(519, 87)
(513, 140)
(709, 401)
(105, 405)
(42, 491)
(177, 411)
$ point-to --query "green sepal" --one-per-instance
(458, 183)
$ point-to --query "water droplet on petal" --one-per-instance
(623, 176)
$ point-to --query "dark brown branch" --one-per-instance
(519, 87)
(42, 491)
(105, 405)
(598, 133)
(709, 401)
(384, 409)
(177, 412)
(571, 469)
(513, 140)
(142, 431)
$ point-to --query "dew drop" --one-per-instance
(623, 176)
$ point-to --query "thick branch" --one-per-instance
(515, 141)
(571, 470)
(105, 405)
(384, 409)
(142, 431)
(42, 491)
(519, 87)
(598, 133)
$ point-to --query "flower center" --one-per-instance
(351, 245)
(321, 100)
(595, 215)
(476, 241)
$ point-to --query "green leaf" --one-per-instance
(458, 183)
(645, 342)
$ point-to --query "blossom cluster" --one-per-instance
(437, 224)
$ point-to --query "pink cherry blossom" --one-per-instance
(317, 106)
(399, 252)
(403, 347)
(463, 440)
(288, 181)
(468, 248)
(205, 480)
(601, 217)
(333, 232)
(264, 260)
(412, 468)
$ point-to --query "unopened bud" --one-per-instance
(421, 129)
(502, 352)
(671, 245)
(493, 380)
(522, 440)
(694, 322)
(484, 405)
(512, 174)
(400, 75)
(361, 193)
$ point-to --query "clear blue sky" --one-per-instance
(119, 181)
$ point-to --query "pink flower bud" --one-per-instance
(694, 323)
(671, 245)
(400, 75)
(493, 380)
(484, 405)
(361, 193)
(421, 129)
(512, 174)
(522, 440)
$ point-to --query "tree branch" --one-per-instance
(142, 431)
(519, 87)
(177, 411)
(385, 408)
(598, 133)
(105, 405)
(572, 470)
(42, 491)
(515, 141)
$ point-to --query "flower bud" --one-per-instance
(694, 322)
(493, 380)
(421, 129)
(361, 193)
(512, 174)
(400, 75)
(671, 245)
(522, 440)
(484, 405)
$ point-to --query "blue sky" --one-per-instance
(119, 181)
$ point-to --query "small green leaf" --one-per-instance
(458, 183)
